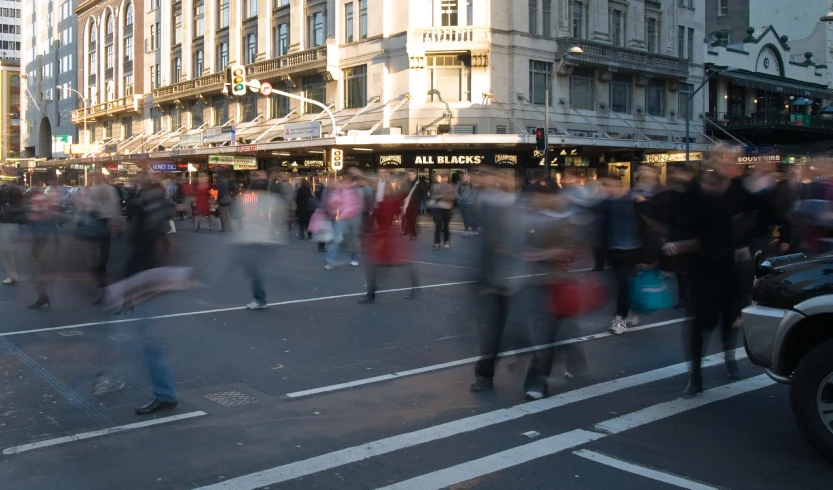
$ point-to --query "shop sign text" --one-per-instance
(449, 160)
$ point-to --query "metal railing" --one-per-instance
(771, 118)
(188, 87)
(607, 54)
(124, 104)
(288, 62)
(453, 34)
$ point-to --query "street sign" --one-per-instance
(310, 129)
(239, 162)
(220, 135)
(254, 84)
(266, 89)
(336, 159)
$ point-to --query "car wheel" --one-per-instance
(811, 397)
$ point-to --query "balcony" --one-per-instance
(125, 105)
(450, 39)
(305, 61)
(769, 127)
(189, 88)
(624, 59)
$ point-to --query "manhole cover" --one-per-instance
(231, 398)
(70, 333)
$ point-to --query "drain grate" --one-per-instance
(70, 333)
(231, 398)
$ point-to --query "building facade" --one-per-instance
(11, 13)
(49, 64)
(10, 108)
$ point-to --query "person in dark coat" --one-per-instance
(306, 204)
(410, 209)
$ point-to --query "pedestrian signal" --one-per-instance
(540, 139)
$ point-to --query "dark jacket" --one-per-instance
(305, 200)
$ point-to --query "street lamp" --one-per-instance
(688, 111)
(576, 51)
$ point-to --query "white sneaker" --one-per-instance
(354, 263)
(10, 280)
(618, 326)
(633, 319)
(534, 395)
(254, 305)
(328, 267)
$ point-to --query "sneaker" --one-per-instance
(10, 280)
(354, 263)
(103, 386)
(618, 326)
(534, 394)
(481, 384)
(435, 247)
(633, 319)
(328, 267)
(254, 305)
(447, 245)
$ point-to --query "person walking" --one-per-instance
(411, 206)
(262, 230)
(306, 204)
(99, 218)
(345, 204)
(43, 220)
(202, 203)
(442, 199)
(11, 217)
(224, 202)
(466, 196)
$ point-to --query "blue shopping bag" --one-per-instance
(651, 291)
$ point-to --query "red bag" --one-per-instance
(577, 296)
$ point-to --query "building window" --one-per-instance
(199, 19)
(579, 28)
(128, 85)
(222, 55)
(223, 11)
(315, 88)
(581, 89)
(198, 62)
(470, 12)
(682, 100)
(176, 69)
(616, 33)
(533, 16)
(251, 48)
(621, 92)
(448, 12)
(93, 64)
(450, 78)
(250, 9)
(282, 39)
(690, 44)
(280, 106)
(681, 52)
(316, 29)
(539, 75)
(363, 19)
(107, 126)
(220, 110)
(154, 82)
(654, 96)
(128, 48)
(126, 127)
(348, 22)
(109, 52)
(110, 25)
(546, 13)
(355, 87)
(153, 38)
(156, 120)
(651, 34)
(176, 119)
(128, 18)
(178, 28)
(249, 103)
(197, 109)
(93, 33)
(722, 7)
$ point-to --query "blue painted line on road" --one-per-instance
(54, 382)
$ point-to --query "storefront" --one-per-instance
(451, 163)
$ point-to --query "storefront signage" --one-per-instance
(314, 163)
(239, 162)
(672, 157)
(449, 159)
(61, 144)
(163, 167)
(503, 159)
(191, 139)
(219, 135)
(753, 159)
(310, 129)
(390, 160)
(416, 160)
(576, 161)
(247, 148)
(111, 167)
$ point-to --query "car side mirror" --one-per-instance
(766, 267)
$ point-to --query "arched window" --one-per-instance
(110, 27)
(93, 32)
(128, 17)
(14, 81)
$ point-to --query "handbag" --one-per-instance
(321, 227)
(651, 291)
(576, 296)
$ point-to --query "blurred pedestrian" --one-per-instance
(466, 196)
(224, 202)
(99, 216)
(11, 218)
(413, 201)
(345, 203)
(442, 200)
(202, 203)
(260, 232)
(43, 221)
(306, 204)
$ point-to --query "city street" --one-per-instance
(320, 392)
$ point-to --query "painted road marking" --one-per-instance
(98, 433)
(552, 445)
(362, 452)
(462, 362)
(643, 471)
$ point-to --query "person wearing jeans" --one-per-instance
(442, 196)
(465, 201)
(347, 203)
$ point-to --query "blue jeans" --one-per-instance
(254, 258)
(349, 231)
(159, 366)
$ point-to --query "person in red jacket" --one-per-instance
(202, 203)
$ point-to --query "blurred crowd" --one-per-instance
(691, 243)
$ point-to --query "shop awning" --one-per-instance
(781, 86)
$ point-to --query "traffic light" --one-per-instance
(237, 79)
(540, 139)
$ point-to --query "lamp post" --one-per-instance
(688, 111)
(86, 136)
(576, 51)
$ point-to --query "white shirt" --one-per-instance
(380, 190)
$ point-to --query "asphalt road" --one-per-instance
(319, 392)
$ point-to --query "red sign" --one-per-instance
(111, 166)
(246, 148)
(266, 89)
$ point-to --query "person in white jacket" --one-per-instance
(262, 229)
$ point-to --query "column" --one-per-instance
(187, 40)
(165, 39)
(235, 46)
(722, 94)
(210, 39)
(297, 27)
(600, 23)
(118, 53)
(264, 30)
